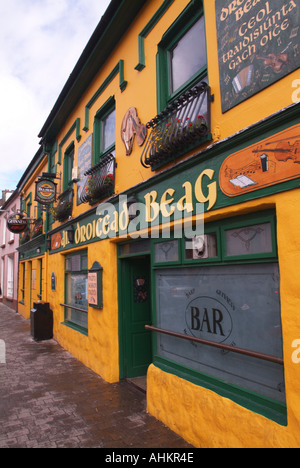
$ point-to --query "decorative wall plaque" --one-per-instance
(131, 127)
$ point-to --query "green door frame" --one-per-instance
(124, 265)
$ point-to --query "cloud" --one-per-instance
(41, 43)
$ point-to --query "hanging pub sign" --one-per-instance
(45, 191)
(258, 44)
(17, 223)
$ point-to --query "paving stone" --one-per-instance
(48, 399)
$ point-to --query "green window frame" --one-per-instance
(260, 228)
(68, 166)
(76, 300)
(104, 131)
(184, 24)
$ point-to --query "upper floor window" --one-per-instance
(182, 61)
(184, 97)
(188, 56)
(68, 166)
(108, 131)
(100, 178)
(104, 131)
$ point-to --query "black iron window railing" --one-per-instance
(183, 124)
(64, 207)
(100, 181)
(37, 228)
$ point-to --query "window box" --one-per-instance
(63, 209)
(184, 123)
(37, 228)
(100, 182)
(25, 237)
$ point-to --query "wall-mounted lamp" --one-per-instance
(48, 243)
(71, 234)
(38, 250)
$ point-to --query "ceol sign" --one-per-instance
(16, 223)
(45, 191)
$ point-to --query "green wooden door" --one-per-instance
(137, 314)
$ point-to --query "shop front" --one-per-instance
(189, 278)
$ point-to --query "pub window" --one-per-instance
(68, 166)
(182, 60)
(166, 251)
(226, 297)
(104, 131)
(76, 301)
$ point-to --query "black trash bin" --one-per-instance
(41, 321)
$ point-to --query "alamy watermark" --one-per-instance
(149, 220)
(2, 352)
(296, 353)
(296, 93)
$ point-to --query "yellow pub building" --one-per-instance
(165, 198)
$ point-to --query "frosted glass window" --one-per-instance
(237, 305)
(166, 251)
(249, 240)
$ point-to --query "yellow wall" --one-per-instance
(99, 350)
(32, 284)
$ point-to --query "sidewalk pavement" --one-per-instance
(48, 399)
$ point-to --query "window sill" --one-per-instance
(75, 327)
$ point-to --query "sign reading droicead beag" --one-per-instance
(258, 44)
(16, 223)
(45, 191)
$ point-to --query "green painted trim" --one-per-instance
(121, 327)
(29, 249)
(147, 29)
(75, 126)
(74, 326)
(212, 157)
(119, 68)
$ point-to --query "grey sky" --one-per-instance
(41, 41)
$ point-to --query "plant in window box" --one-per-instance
(25, 237)
(62, 211)
(37, 229)
(99, 186)
(177, 132)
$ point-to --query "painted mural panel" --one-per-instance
(258, 44)
(269, 162)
